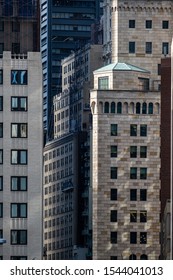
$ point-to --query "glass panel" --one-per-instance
(1, 183)
(14, 210)
(14, 104)
(14, 237)
(23, 130)
(23, 158)
(14, 183)
(23, 211)
(14, 157)
(23, 183)
(14, 130)
(1, 156)
(23, 103)
(23, 237)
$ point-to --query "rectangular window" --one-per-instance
(113, 172)
(133, 130)
(18, 183)
(113, 216)
(19, 103)
(1, 48)
(143, 173)
(143, 152)
(19, 157)
(143, 130)
(1, 130)
(18, 237)
(143, 237)
(148, 47)
(113, 195)
(148, 24)
(133, 173)
(103, 83)
(113, 257)
(15, 48)
(133, 216)
(1, 210)
(1, 79)
(1, 103)
(165, 24)
(1, 25)
(133, 151)
(133, 237)
(131, 23)
(131, 47)
(19, 130)
(19, 77)
(114, 129)
(143, 195)
(133, 194)
(165, 48)
(113, 237)
(113, 151)
(1, 183)
(18, 210)
(143, 216)
(159, 69)
(18, 257)
(1, 233)
(1, 156)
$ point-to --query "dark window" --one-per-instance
(15, 48)
(114, 258)
(143, 130)
(1, 25)
(15, 26)
(113, 195)
(143, 238)
(18, 183)
(113, 107)
(132, 257)
(1, 82)
(19, 77)
(148, 24)
(113, 237)
(18, 257)
(133, 194)
(19, 130)
(148, 47)
(133, 216)
(19, 157)
(143, 257)
(1, 233)
(113, 216)
(143, 195)
(165, 24)
(113, 151)
(133, 237)
(1, 210)
(19, 103)
(113, 172)
(1, 48)
(1, 156)
(131, 23)
(1, 183)
(144, 108)
(133, 151)
(18, 210)
(106, 109)
(114, 129)
(131, 47)
(18, 237)
(1, 130)
(143, 216)
(133, 173)
(143, 151)
(119, 108)
(133, 130)
(150, 108)
(159, 69)
(138, 108)
(143, 173)
(165, 48)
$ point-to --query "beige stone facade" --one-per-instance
(120, 198)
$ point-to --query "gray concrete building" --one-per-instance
(125, 164)
(21, 147)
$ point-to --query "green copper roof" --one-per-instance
(120, 66)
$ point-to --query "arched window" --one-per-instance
(150, 108)
(144, 108)
(106, 107)
(132, 257)
(119, 108)
(132, 108)
(125, 108)
(138, 108)
(157, 108)
(113, 107)
(144, 257)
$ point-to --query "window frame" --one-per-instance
(143, 130)
(133, 237)
(113, 172)
(148, 47)
(132, 47)
(148, 24)
(113, 237)
(143, 175)
(1, 156)
(1, 103)
(103, 83)
(18, 210)
(1, 210)
(18, 157)
(133, 151)
(133, 216)
(133, 194)
(1, 183)
(19, 183)
(18, 237)
(19, 130)
(113, 216)
(143, 196)
(114, 129)
(133, 175)
(114, 151)
(132, 23)
(133, 130)
(143, 154)
(165, 24)
(143, 216)
(18, 100)
(113, 194)
(143, 237)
